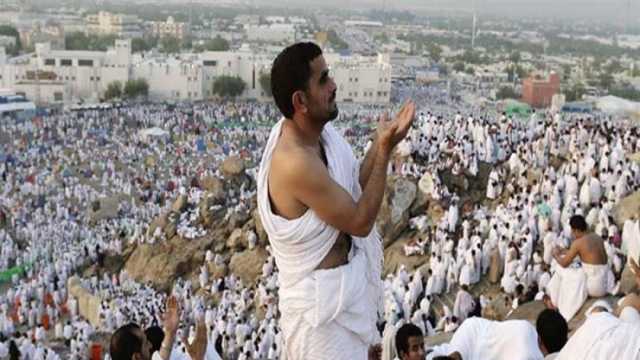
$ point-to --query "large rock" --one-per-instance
(394, 214)
(162, 263)
(248, 264)
(88, 304)
(498, 308)
(171, 228)
(394, 257)
(263, 238)
(107, 208)
(495, 267)
(627, 208)
(213, 186)
(207, 211)
(237, 240)
(180, 204)
(232, 166)
(627, 280)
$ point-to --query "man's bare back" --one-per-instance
(591, 249)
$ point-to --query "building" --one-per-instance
(52, 76)
(274, 33)
(64, 77)
(361, 79)
(121, 25)
(169, 28)
(51, 33)
(538, 92)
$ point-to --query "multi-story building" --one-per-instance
(121, 25)
(57, 76)
(361, 79)
(169, 28)
(538, 92)
(60, 76)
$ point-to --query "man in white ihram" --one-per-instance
(319, 208)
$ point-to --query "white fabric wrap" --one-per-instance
(338, 295)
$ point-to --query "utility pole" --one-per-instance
(473, 27)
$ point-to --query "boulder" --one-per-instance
(171, 228)
(232, 166)
(213, 186)
(393, 218)
(237, 240)
(107, 208)
(88, 304)
(627, 208)
(248, 264)
(263, 238)
(627, 280)
(498, 308)
(495, 267)
(394, 257)
(180, 204)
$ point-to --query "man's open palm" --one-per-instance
(391, 132)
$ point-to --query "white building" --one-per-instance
(121, 25)
(64, 77)
(361, 79)
(61, 76)
(275, 33)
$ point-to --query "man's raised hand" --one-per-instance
(391, 132)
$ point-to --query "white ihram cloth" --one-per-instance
(326, 314)
(603, 337)
(482, 339)
(569, 287)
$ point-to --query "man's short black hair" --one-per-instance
(552, 329)
(291, 72)
(577, 222)
(124, 343)
(155, 335)
(402, 337)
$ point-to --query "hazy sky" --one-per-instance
(610, 9)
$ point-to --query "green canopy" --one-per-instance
(517, 108)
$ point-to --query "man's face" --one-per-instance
(321, 92)
(416, 349)
(145, 350)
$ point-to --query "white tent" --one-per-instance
(154, 132)
(618, 106)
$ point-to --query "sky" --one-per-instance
(602, 9)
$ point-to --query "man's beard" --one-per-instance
(334, 114)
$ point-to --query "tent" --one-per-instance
(517, 108)
(618, 106)
(154, 132)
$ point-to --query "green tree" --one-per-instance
(515, 57)
(228, 86)
(606, 80)
(265, 83)
(113, 91)
(217, 44)
(469, 70)
(506, 92)
(575, 92)
(458, 66)
(336, 41)
(7, 30)
(81, 41)
(435, 52)
(136, 88)
(170, 45)
(140, 44)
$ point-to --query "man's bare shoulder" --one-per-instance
(292, 161)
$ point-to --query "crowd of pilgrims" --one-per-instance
(54, 167)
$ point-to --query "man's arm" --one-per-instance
(311, 184)
(567, 258)
(367, 163)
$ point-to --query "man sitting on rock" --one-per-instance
(569, 287)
